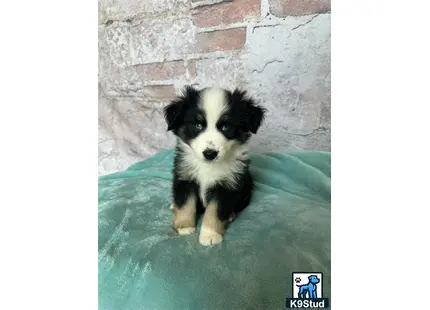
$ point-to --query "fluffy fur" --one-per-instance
(211, 166)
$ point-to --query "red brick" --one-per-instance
(283, 8)
(161, 70)
(192, 68)
(158, 92)
(222, 40)
(226, 13)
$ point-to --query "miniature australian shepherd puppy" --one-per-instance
(211, 167)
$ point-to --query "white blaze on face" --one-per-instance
(214, 103)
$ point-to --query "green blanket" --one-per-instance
(143, 264)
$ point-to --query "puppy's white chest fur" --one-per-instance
(207, 174)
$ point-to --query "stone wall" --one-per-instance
(278, 50)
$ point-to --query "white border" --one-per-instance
(380, 170)
(48, 127)
(48, 153)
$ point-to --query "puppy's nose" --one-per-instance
(210, 154)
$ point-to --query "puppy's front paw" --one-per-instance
(209, 237)
(184, 225)
(186, 230)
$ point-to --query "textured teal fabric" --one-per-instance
(143, 264)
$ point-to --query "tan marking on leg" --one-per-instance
(212, 228)
(184, 221)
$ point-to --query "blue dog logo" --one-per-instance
(309, 290)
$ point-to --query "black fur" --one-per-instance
(254, 114)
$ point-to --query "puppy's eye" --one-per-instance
(198, 126)
(225, 127)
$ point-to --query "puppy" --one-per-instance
(211, 167)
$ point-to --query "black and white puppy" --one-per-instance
(211, 166)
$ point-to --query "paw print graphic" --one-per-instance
(298, 280)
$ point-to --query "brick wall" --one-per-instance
(279, 50)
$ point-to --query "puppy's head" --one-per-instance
(213, 122)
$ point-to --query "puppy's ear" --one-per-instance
(256, 117)
(174, 112)
(254, 113)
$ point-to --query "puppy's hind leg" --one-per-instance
(184, 221)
